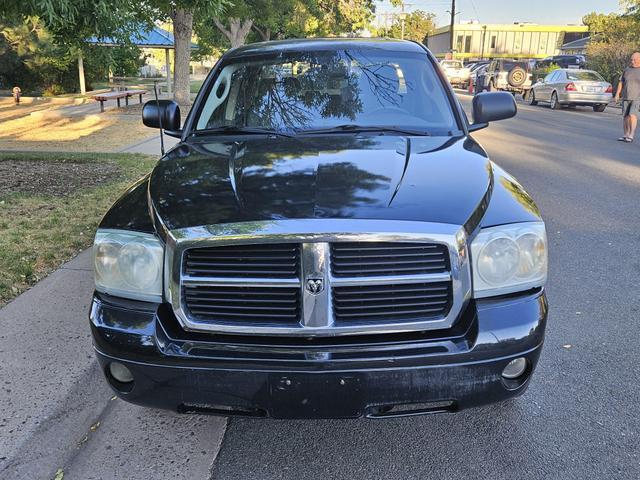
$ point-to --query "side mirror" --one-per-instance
(490, 107)
(162, 113)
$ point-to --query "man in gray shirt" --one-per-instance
(629, 92)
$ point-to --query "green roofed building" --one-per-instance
(518, 40)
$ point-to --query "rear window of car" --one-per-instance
(512, 65)
(585, 75)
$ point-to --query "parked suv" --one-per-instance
(506, 75)
(327, 240)
(563, 61)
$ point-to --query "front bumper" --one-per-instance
(345, 377)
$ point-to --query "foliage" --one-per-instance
(248, 20)
(612, 27)
(610, 58)
(540, 72)
(39, 63)
(73, 21)
(417, 25)
(614, 38)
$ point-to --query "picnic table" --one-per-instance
(103, 97)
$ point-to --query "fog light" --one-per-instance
(121, 373)
(515, 368)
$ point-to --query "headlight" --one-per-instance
(128, 264)
(509, 258)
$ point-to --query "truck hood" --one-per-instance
(227, 180)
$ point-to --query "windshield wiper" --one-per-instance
(233, 130)
(361, 128)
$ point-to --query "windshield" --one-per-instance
(327, 89)
(585, 75)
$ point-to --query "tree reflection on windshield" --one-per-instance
(323, 89)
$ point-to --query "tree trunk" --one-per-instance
(182, 29)
(264, 34)
(237, 31)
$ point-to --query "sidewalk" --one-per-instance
(151, 146)
(59, 413)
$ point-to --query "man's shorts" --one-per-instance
(631, 107)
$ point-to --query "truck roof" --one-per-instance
(329, 44)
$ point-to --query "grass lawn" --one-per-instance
(50, 206)
(195, 85)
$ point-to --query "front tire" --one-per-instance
(555, 104)
(600, 108)
(532, 98)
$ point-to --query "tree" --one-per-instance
(614, 38)
(611, 27)
(181, 13)
(73, 21)
(292, 18)
(417, 25)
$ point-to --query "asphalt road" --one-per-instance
(580, 417)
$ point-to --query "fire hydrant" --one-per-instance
(16, 94)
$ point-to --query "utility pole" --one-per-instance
(453, 21)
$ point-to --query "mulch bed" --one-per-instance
(53, 178)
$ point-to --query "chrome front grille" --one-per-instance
(360, 259)
(302, 278)
(393, 302)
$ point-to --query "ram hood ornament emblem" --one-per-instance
(314, 285)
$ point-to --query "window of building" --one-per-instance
(459, 43)
(467, 44)
(493, 41)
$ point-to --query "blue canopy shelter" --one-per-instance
(154, 38)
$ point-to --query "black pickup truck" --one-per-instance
(325, 241)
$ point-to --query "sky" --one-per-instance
(509, 11)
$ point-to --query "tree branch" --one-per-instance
(220, 26)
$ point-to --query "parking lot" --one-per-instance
(579, 418)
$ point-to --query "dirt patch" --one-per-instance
(53, 178)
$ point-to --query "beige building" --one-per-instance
(518, 40)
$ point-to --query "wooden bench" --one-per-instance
(103, 97)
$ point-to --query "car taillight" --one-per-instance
(609, 89)
(570, 87)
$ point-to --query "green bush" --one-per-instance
(610, 59)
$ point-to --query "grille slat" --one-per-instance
(267, 260)
(360, 259)
(415, 302)
(371, 300)
(243, 304)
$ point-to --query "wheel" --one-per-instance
(600, 108)
(516, 77)
(532, 98)
(555, 104)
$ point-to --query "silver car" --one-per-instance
(568, 86)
